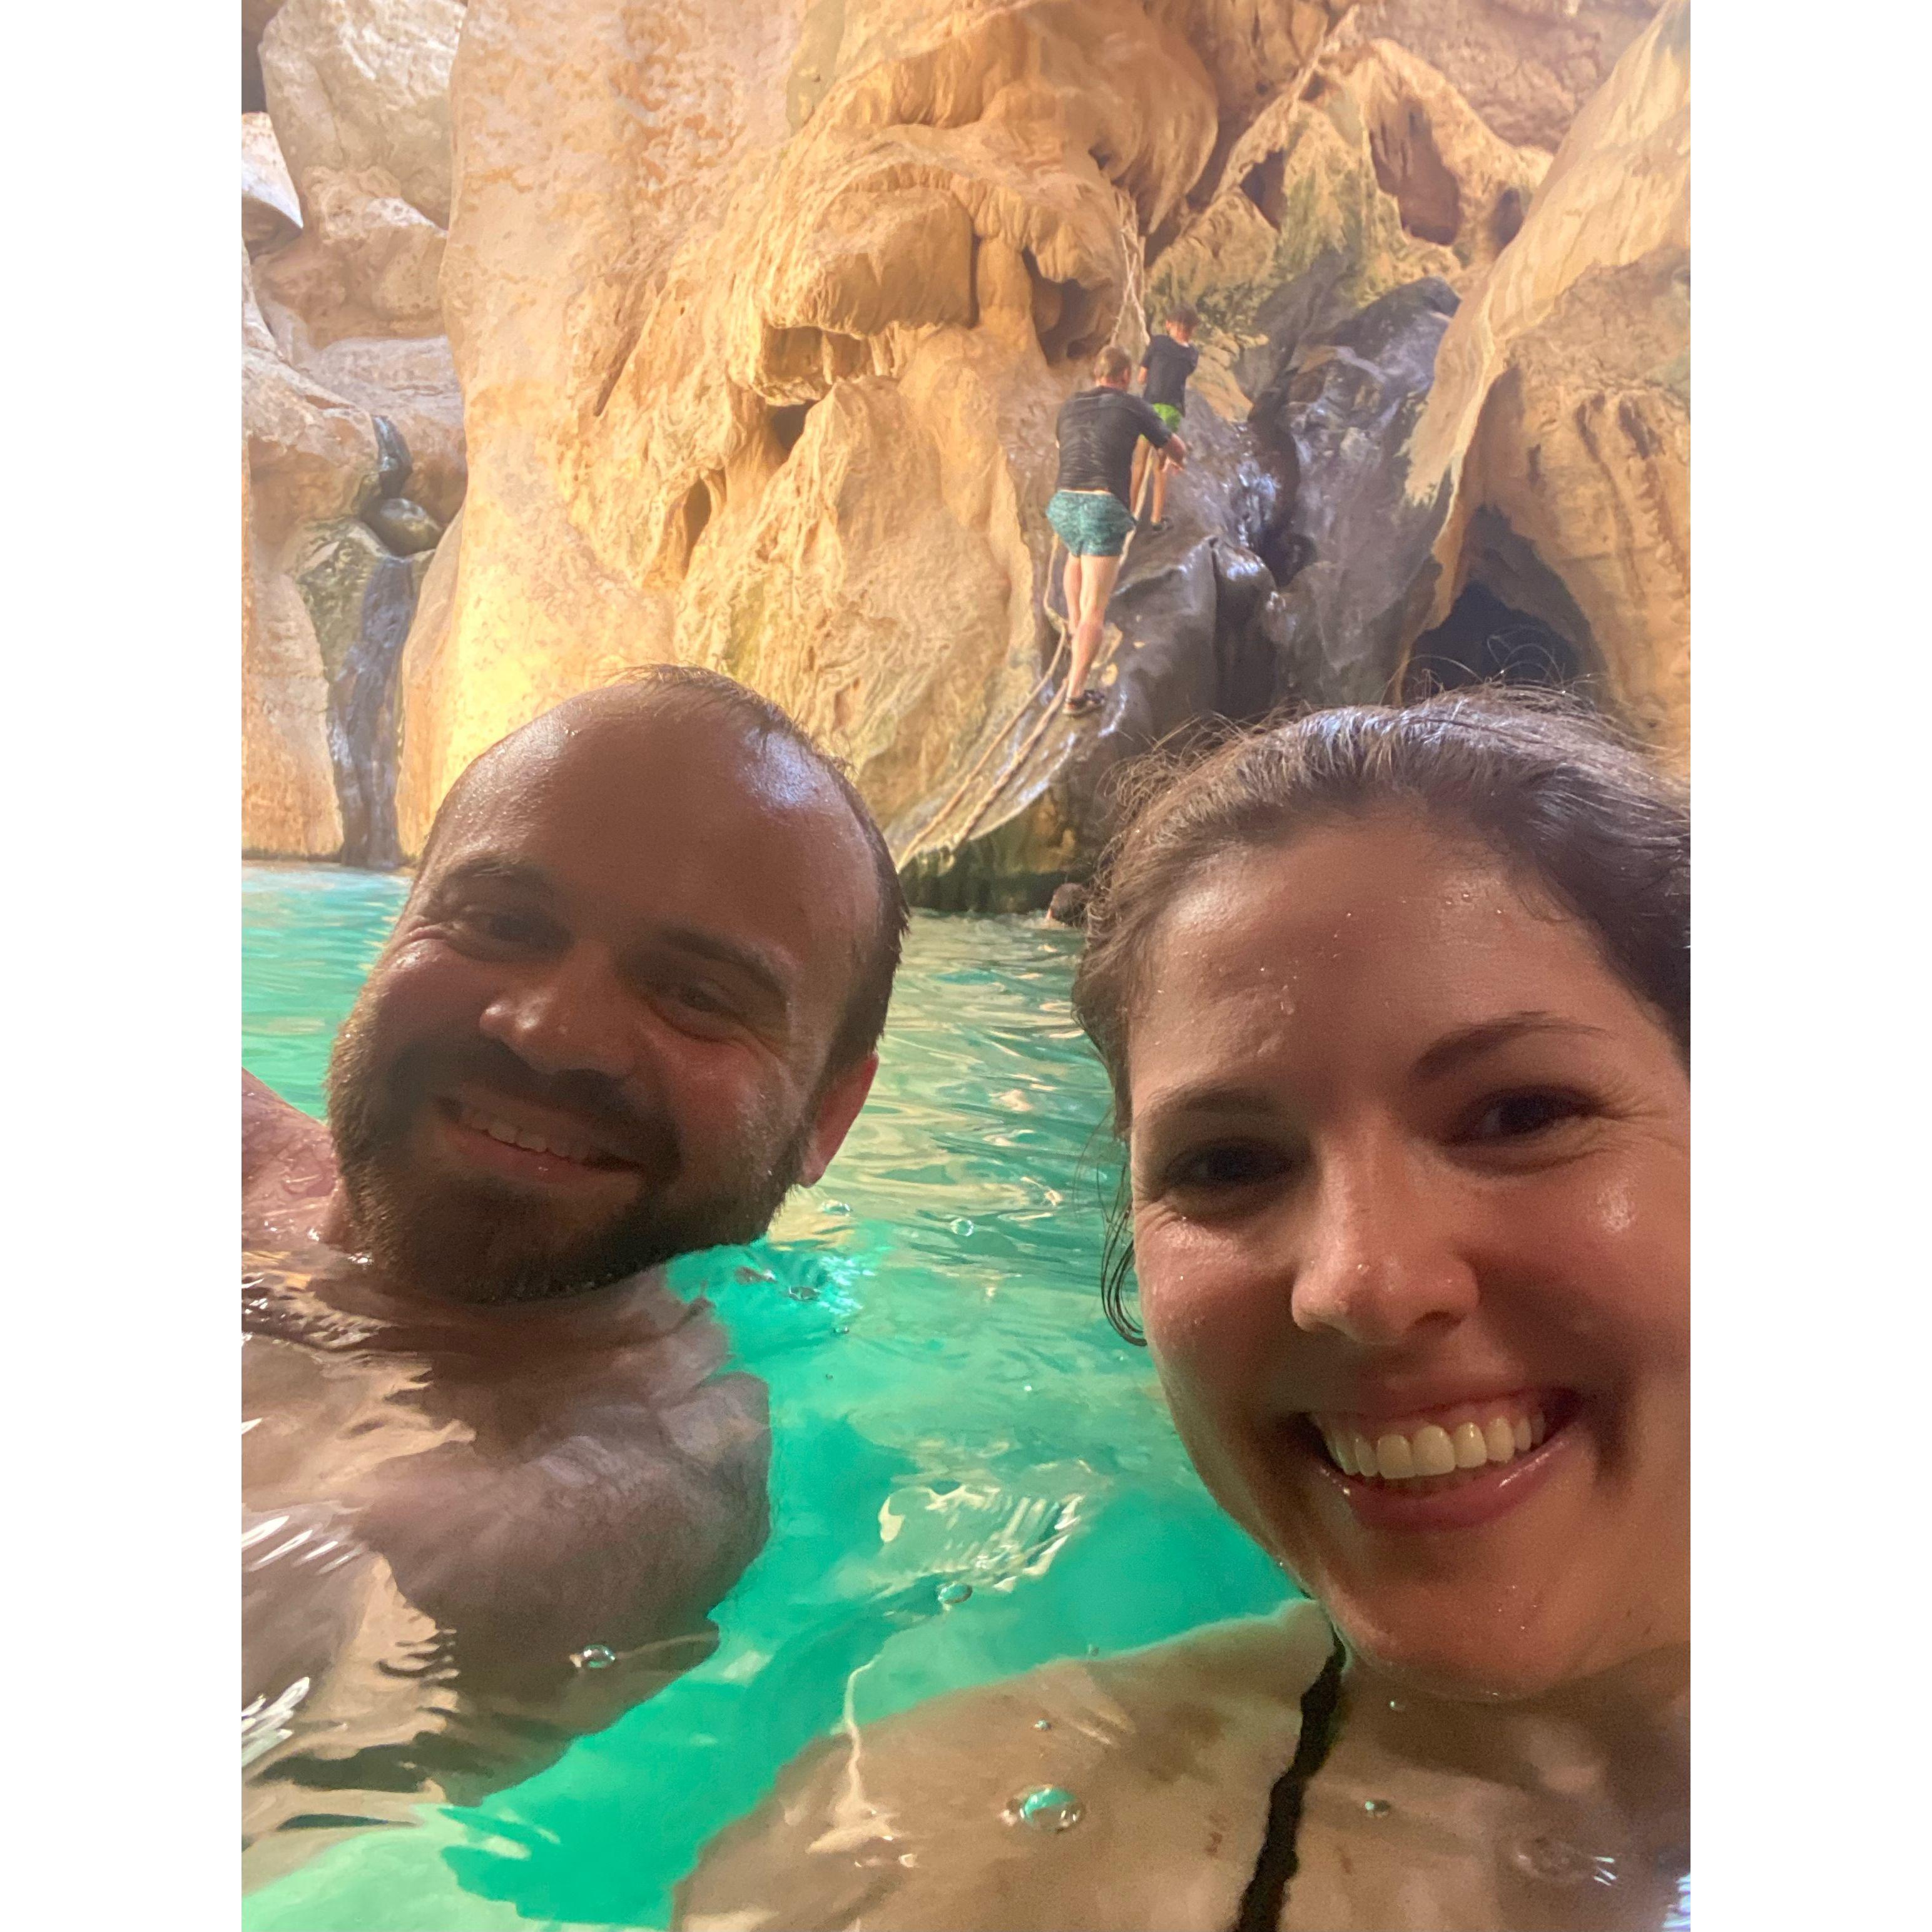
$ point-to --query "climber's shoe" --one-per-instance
(1083, 705)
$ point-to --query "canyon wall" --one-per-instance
(761, 315)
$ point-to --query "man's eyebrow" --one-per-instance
(1467, 1043)
(753, 961)
(487, 870)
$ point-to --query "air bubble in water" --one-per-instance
(1042, 1723)
(954, 1593)
(802, 1290)
(1377, 1807)
(962, 1227)
(595, 1656)
(838, 1208)
(1047, 1807)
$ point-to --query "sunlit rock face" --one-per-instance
(763, 314)
(733, 335)
(1525, 66)
(1560, 414)
(352, 410)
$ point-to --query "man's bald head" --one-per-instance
(765, 754)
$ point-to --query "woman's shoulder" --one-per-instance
(1128, 1791)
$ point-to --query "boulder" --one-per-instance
(406, 528)
(288, 807)
(367, 264)
(270, 213)
(411, 382)
(1525, 66)
(361, 87)
(1560, 421)
(312, 455)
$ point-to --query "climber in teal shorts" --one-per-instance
(1099, 430)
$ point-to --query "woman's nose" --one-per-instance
(1384, 1262)
(571, 1015)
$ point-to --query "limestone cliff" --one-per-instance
(762, 313)
(352, 413)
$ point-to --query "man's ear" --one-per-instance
(838, 1108)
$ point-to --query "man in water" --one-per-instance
(1169, 361)
(1099, 429)
(493, 1482)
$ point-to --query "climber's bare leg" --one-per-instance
(1071, 582)
(1159, 485)
(1142, 451)
(1097, 586)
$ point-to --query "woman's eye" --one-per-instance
(1234, 1164)
(1511, 1117)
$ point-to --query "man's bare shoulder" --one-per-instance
(286, 1157)
(1168, 1755)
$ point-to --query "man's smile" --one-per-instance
(515, 1138)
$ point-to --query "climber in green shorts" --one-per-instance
(1169, 361)
(1099, 429)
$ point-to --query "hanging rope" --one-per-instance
(1134, 267)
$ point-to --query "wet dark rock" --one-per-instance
(1339, 418)
(360, 599)
(393, 461)
(1294, 567)
(407, 528)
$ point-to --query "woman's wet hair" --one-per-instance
(1555, 789)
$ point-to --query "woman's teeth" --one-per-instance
(1433, 1450)
(511, 1136)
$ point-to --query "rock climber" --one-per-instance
(1098, 430)
(1169, 361)
(493, 1480)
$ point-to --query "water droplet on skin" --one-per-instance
(1555, 1860)
(1047, 1807)
(595, 1656)
(1377, 1807)
(962, 1227)
(1396, 1704)
(954, 1593)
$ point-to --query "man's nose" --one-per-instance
(572, 1015)
(1383, 1264)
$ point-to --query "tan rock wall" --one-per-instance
(768, 382)
(1525, 66)
(1561, 404)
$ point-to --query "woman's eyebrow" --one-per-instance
(1207, 1097)
(1467, 1043)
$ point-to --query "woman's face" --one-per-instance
(1410, 1173)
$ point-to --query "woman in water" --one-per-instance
(1396, 1007)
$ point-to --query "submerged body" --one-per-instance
(470, 1532)
(1163, 1760)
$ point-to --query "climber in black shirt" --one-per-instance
(1169, 361)
(1099, 430)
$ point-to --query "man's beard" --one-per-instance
(473, 1239)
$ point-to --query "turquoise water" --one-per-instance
(949, 1408)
